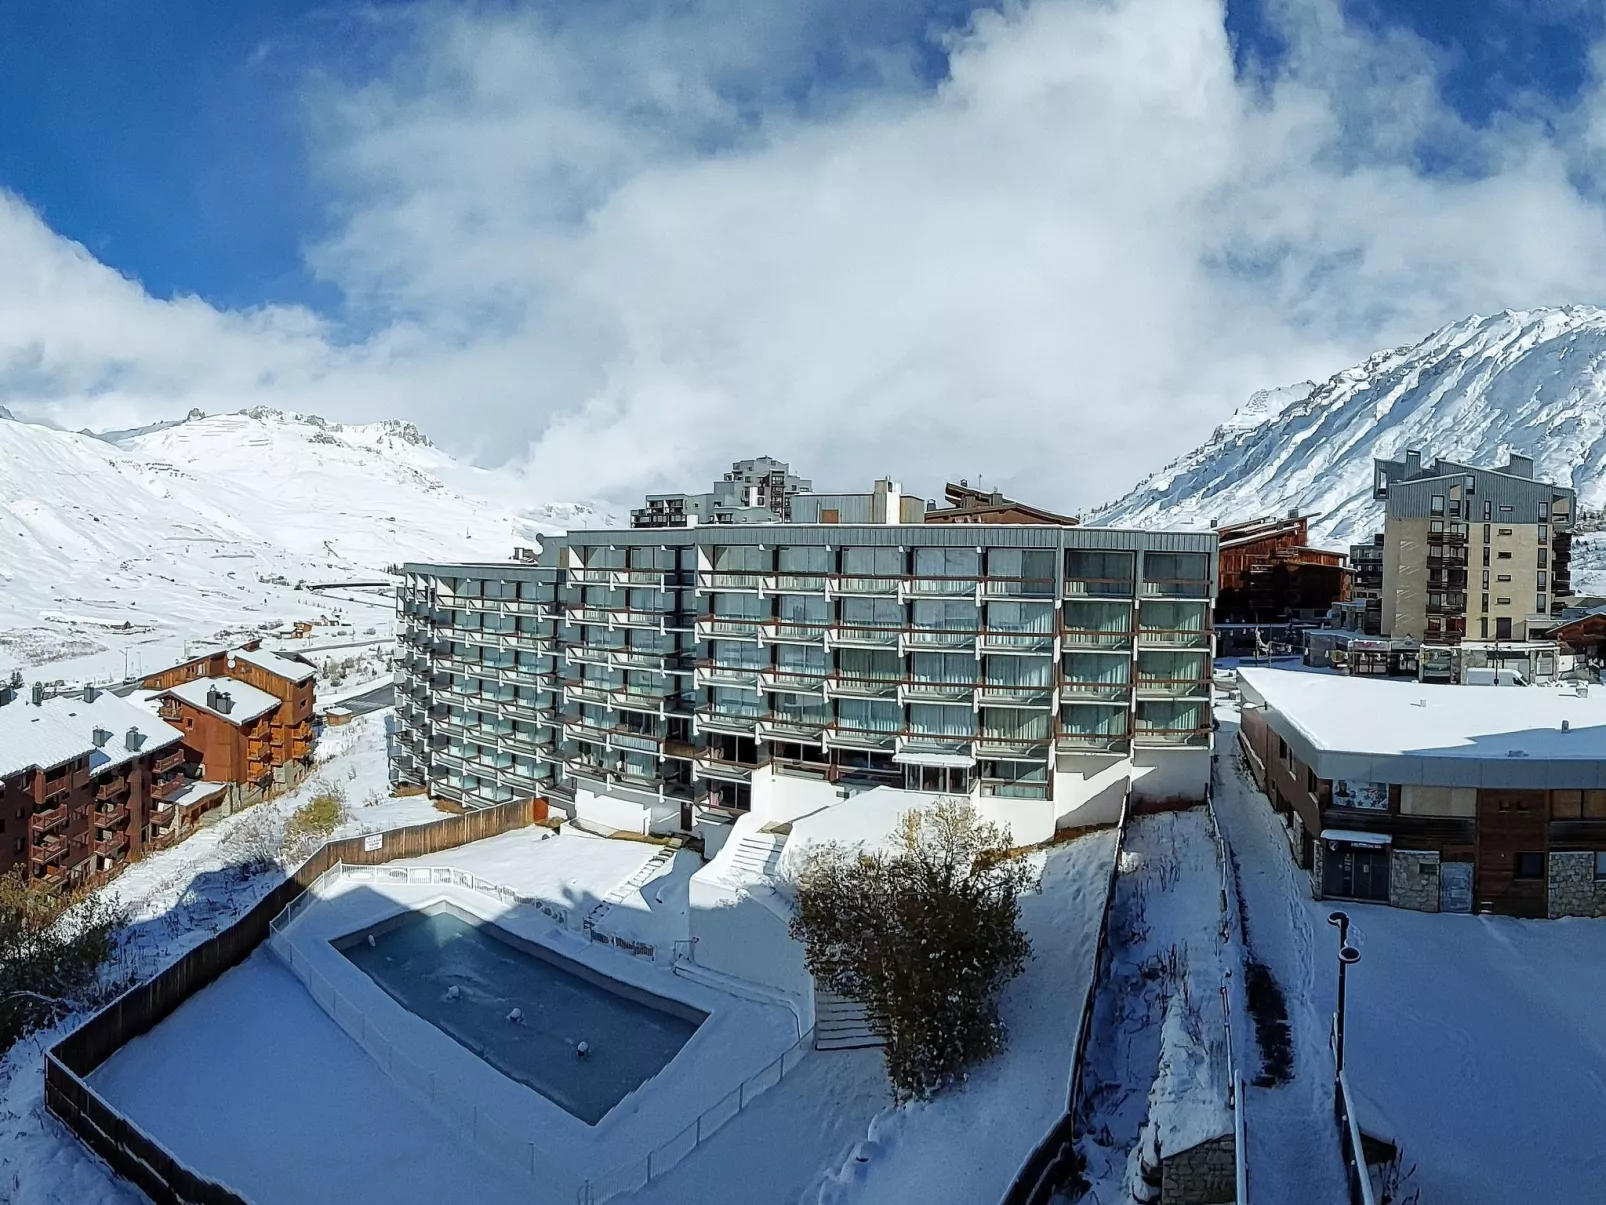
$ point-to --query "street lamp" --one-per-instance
(1348, 955)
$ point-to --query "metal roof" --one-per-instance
(249, 702)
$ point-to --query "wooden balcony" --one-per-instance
(111, 818)
(170, 760)
(112, 789)
(45, 820)
(112, 847)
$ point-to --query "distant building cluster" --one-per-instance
(92, 780)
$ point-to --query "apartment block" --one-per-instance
(1470, 553)
(247, 712)
(88, 782)
(675, 679)
(759, 490)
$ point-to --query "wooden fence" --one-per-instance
(134, 1154)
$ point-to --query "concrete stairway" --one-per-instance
(758, 854)
(842, 1024)
(626, 889)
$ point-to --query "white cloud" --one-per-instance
(629, 247)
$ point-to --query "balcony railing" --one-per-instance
(46, 819)
(1173, 686)
(939, 692)
(940, 587)
(110, 790)
(854, 584)
(1090, 638)
(1019, 587)
(730, 627)
(862, 688)
(1088, 688)
(729, 581)
(111, 818)
(1174, 637)
(1171, 736)
(1005, 695)
(792, 682)
(1099, 587)
(788, 631)
(1178, 587)
(112, 847)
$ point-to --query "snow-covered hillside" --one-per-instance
(1532, 382)
(144, 540)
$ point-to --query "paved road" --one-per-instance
(377, 699)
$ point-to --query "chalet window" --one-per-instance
(1436, 504)
(1528, 866)
(1578, 805)
(1283, 755)
(1600, 864)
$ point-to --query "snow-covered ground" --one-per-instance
(115, 557)
(965, 1146)
(1159, 1046)
(1473, 1041)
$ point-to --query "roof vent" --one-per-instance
(90, 692)
(100, 736)
(133, 739)
(1566, 727)
(225, 702)
(212, 696)
(37, 695)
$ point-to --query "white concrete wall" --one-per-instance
(1165, 774)
(740, 927)
(1028, 820)
(1089, 788)
(622, 815)
(782, 798)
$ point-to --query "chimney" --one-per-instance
(100, 736)
(37, 695)
(1413, 463)
(90, 692)
(133, 739)
(212, 697)
(886, 504)
(1520, 466)
(225, 702)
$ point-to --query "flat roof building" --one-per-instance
(672, 679)
(1441, 798)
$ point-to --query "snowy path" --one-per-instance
(1294, 1152)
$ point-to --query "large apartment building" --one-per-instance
(667, 680)
(1470, 553)
(758, 490)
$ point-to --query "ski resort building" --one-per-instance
(1271, 574)
(676, 679)
(88, 782)
(759, 490)
(248, 714)
(1469, 553)
(1436, 798)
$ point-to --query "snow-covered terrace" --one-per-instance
(1458, 736)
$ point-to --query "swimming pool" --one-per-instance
(465, 976)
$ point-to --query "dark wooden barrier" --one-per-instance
(1053, 1162)
(127, 1149)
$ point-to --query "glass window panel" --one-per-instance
(1014, 724)
(873, 664)
(944, 667)
(1026, 672)
(1020, 617)
(1091, 564)
(947, 613)
(872, 612)
(808, 558)
(947, 562)
(873, 562)
(926, 719)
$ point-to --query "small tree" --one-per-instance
(52, 949)
(925, 934)
(314, 821)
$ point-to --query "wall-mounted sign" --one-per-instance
(372, 842)
(1349, 793)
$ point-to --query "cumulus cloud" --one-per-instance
(620, 252)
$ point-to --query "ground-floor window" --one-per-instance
(1529, 866)
(943, 780)
(1355, 872)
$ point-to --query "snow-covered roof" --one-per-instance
(1376, 730)
(275, 663)
(63, 728)
(249, 702)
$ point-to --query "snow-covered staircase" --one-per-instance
(842, 1024)
(758, 854)
(626, 889)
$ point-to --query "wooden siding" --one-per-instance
(1509, 823)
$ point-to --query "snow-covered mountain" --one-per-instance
(186, 528)
(1532, 382)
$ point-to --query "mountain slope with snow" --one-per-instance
(182, 530)
(1532, 382)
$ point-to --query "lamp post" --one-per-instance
(1348, 955)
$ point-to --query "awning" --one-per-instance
(1353, 838)
(933, 757)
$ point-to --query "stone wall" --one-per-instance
(1574, 889)
(1205, 1174)
(1414, 879)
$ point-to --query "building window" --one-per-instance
(1433, 625)
(1541, 604)
(1528, 866)
(1436, 504)
(1312, 782)
(1543, 582)
(1504, 555)
(1488, 513)
(1502, 577)
(1505, 531)
(1502, 602)
(1485, 533)
(1483, 624)
(1435, 524)
(1578, 805)
(1472, 484)
(1505, 510)
(1544, 558)
(1283, 754)
(1544, 533)
(1502, 627)
(1486, 554)
(1600, 863)
(1544, 512)
(1485, 579)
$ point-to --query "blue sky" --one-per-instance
(171, 138)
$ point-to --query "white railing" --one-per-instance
(629, 1177)
(463, 1115)
(1225, 939)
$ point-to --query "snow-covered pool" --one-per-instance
(582, 1040)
